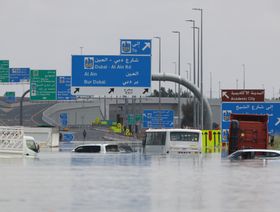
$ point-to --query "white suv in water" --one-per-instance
(255, 154)
(103, 148)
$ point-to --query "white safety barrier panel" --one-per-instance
(11, 138)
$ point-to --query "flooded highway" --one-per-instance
(66, 181)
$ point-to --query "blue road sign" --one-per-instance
(111, 71)
(158, 119)
(135, 47)
(19, 74)
(10, 97)
(63, 117)
(68, 137)
(111, 75)
(63, 88)
(269, 108)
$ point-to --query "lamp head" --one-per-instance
(197, 9)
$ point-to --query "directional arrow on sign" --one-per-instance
(111, 90)
(147, 45)
(146, 90)
(278, 122)
(77, 90)
(225, 94)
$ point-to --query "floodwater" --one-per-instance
(65, 181)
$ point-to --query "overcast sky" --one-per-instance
(43, 34)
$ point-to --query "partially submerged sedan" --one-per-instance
(102, 148)
(255, 154)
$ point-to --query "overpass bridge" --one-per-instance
(109, 108)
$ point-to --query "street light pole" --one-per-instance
(193, 27)
(201, 60)
(194, 74)
(243, 76)
(219, 89)
(197, 116)
(190, 75)
(159, 85)
(81, 50)
(198, 55)
(175, 82)
(211, 85)
(179, 73)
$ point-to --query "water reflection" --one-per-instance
(122, 159)
(63, 181)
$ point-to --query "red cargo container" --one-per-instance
(248, 131)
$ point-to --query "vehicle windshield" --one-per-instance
(254, 155)
(112, 148)
(155, 138)
(184, 136)
(32, 145)
(89, 149)
(125, 148)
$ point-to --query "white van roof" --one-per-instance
(173, 130)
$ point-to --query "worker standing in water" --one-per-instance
(85, 134)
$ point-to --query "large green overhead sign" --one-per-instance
(4, 70)
(43, 85)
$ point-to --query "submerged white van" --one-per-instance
(13, 143)
(172, 140)
(25, 147)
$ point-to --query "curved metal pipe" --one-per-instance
(193, 89)
(21, 106)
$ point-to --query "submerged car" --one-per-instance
(255, 154)
(103, 148)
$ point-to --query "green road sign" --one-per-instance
(138, 117)
(10, 94)
(131, 119)
(4, 70)
(43, 85)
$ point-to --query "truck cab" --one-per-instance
(30, 147)
(248, 131)
(14, 143)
